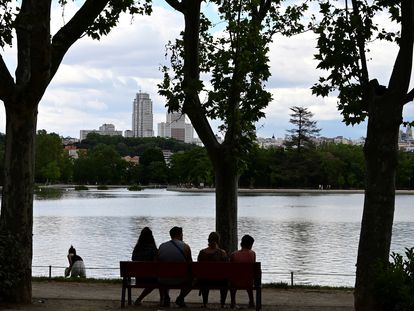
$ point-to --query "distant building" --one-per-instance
(270, 142)
(69, 141)
(105, 129)
(176, 127)
(73, 151)
(142, 116)
(128, 133)
(167, 156)
(134, 159)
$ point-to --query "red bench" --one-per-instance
(230, 274)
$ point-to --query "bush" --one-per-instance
(395, 282)
(81, 187)
(102, 187)
(135, 188)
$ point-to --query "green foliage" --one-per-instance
(340, 166)
(343, 37)
(304, 129)
(52, 163)
(6, 23)
(394, 283)
(236, 58)
(135, 187)
(102, 187)
(109, 18)
(192, 168)
(133, 145)
(81, 187)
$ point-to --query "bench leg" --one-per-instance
(123, 297)
(258, 299)
(129, 296)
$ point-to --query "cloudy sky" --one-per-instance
(98, 80)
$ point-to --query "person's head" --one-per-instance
(72, 250)
(146, 237)
(213, 239)
(176, 233)
(247, 241)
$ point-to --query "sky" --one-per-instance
(98, 80)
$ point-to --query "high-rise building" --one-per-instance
(176, 127)
(142, 117)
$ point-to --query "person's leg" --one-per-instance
(233, 298)
(251, 299)
(180, 299)
(144, 293)
(204, 293)
(223, 296)
(164, 297)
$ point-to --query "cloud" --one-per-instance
(98, 80)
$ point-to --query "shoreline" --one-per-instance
(282, 191)
(285, 191)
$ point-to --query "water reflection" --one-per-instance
(308, 235)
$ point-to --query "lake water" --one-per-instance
(315, 236)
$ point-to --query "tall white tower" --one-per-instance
(142, 117)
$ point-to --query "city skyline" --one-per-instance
(97, 79)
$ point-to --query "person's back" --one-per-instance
(172, 251)
(145, 250)
(245, 254)
(212, 253)
(175, 250)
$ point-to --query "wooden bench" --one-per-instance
(228, 275)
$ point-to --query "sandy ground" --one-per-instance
(64, 296)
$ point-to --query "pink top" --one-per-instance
(243, 255)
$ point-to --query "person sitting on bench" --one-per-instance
(175, 250)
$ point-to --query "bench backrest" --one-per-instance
(148, 269)
(239, 274)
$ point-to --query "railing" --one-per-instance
(291, 275)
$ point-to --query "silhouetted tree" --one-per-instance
(305, 131)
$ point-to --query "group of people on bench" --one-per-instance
(176, 250)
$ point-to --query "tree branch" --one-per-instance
(73, 30)
(39, 57)
(264, 8)
(400, 76)
(6, 81)
(361, 42)
(177, 5)
(409, 97)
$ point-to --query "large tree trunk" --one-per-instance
(16, 219)
(381, 155)
(226, 202)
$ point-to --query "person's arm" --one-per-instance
(70, 260)
(187, 253)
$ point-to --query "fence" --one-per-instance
(291, 277)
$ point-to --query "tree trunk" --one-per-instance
(226, 202)
(16, 219)
(381, 156)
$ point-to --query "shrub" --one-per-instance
(81, 187)
(135, 188)
(395, 282)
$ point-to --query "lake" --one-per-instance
(315, 236)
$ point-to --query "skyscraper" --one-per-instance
(176, 127)
(142, 117)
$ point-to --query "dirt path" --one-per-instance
(65, 296)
